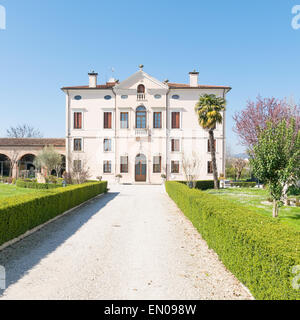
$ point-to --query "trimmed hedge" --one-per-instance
(260, 251)
(21, 214)
(202, 184)
(243, 184)
(35, 185)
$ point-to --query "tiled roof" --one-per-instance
(171, 86)
(108, 85)
(4, 142)
(200, 86)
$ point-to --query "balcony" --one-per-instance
(142, 132)
(141, 97)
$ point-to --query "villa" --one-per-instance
(141, 129)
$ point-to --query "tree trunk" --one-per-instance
(213, 158)
(275, 209)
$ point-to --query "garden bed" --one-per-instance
(260, 251)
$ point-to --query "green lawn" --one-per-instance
(7, 191)
(257, 199)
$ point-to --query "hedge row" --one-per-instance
(35, 185)
(21, 214)
(260, 251)
(243, 184)
(202, 184)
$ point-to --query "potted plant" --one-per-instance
(118, 176)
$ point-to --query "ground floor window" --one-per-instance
(174, 166)
(77, 165)
(107, 166)
(124, 165)
(157, 164)
(209, 167)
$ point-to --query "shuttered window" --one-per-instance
(157, 164)
(77, 144)
(174, 166)
(124, 120)
(77, 120)
(209, 167)
(208, 146)
(157, 120)
(175, 120)
(107, 145)
(175, 145)
(107, 166)
(107, 120)
(124, 164)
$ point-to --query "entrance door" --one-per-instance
(140, 168)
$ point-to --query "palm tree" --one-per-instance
(208, 109)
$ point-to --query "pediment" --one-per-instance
(138, 78)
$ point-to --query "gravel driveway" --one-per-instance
(132, 243)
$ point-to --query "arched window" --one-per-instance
(141, 92)
(141, 88)
(141, 117)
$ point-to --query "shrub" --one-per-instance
(243, 184)
(34, 185)
(202, 184)
(21, 214)
(258, 250)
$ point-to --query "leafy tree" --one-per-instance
(276, 159)
(253, 119)
(209, 111)
(49, 159)
(23, 131)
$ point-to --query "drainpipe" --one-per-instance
(224, 139)
(115, 94)
(68, 132)
(167, 135)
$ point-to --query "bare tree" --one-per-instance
(78, 170)
(191, 166)
(239, 165)
(23, 131)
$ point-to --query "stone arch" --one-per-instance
(5, 165)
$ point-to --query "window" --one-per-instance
(141, 118)
(208, 145)
(107, 166)
(124, 97)
(209, 167)
(157, 96)
(175, 120)
(174, 166)
(124, 164)
(77, 97)
(107, 145)
(175, 96)
(77, 120)
(107, 120)
(77, 165)
(77, 145)
(157, 164)
(175, 145)
(157, 120)
(141, 89)
(107, 97)
(124, 120)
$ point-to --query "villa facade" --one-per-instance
(140, 128)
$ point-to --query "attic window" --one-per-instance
(107, 97)
(175, 96)
(141, 89)
(77, 97)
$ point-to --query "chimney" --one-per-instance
(194, 78)
(93, 79)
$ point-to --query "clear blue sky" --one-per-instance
(249, 45)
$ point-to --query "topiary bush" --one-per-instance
(260, 251)
(243, 184)
(202, 184)
(34, 185)
(23, 213)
